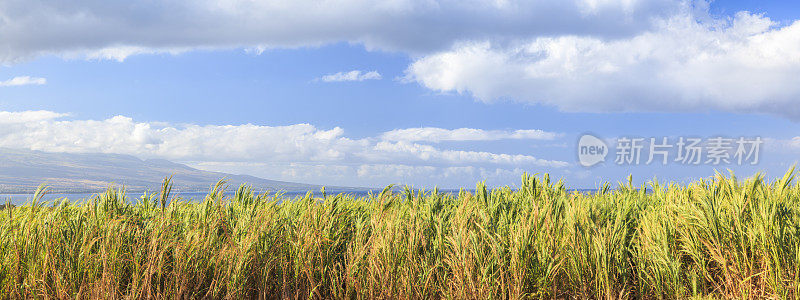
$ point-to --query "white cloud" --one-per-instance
(23, 80)
(302, 142)
(432, 134)
(28, 117)
(354, 75)
(576, 55)
(115, 29)
(120, 53)
(747, 64)
(411, 152)
(294, 152)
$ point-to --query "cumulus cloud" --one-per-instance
(114, 29)
(425, 153)
(432, 134)
(292, 152)
(46, 131)
(354, 75)
(576, 55)
(746, 64)
(28, 117)
(23, 80)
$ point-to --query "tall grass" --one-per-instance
(717, 237)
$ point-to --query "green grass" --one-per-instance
(719, 237)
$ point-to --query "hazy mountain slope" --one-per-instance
(24, 170)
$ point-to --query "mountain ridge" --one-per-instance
(22, 171)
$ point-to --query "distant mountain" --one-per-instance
(22, 171)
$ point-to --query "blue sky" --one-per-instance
(254, 100)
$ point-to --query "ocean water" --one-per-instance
(19, 199)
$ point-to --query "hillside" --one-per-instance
(21, 171)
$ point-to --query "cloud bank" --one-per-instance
(432, 134)
(115, 29)
(747, 64)
(574, 55)
(294, 152)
